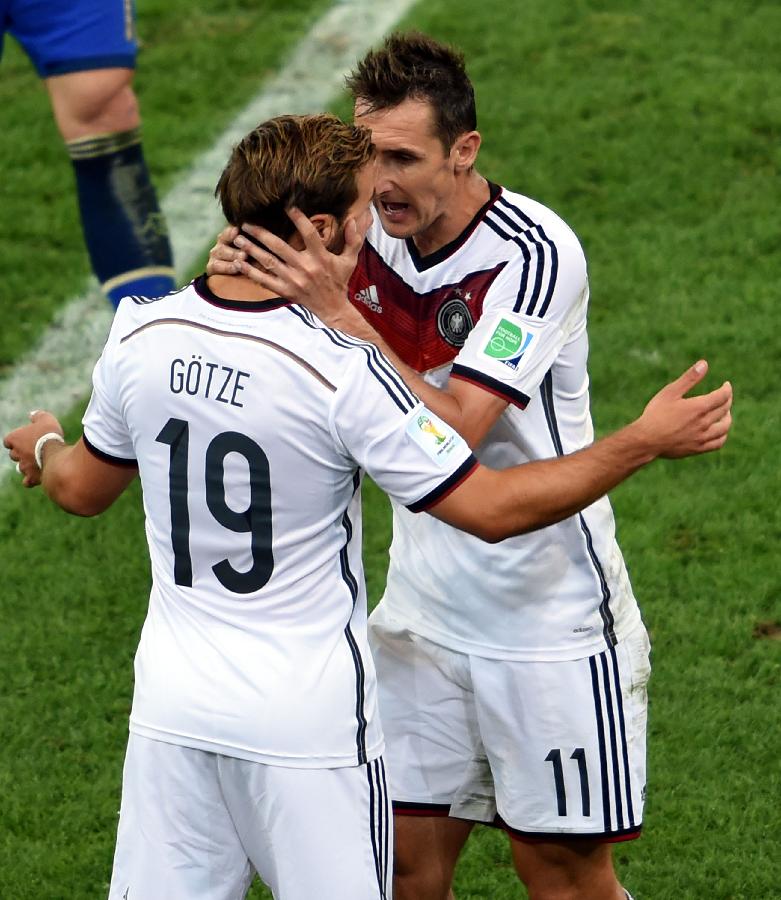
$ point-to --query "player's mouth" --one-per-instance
(394, 212)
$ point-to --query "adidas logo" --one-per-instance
(370, 297)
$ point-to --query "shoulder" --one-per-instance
(349, 363)
(527, 222)
(134, 311)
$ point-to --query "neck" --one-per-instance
(238, 287)
(471, 194)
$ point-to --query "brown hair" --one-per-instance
(306, 161)
(413, 66)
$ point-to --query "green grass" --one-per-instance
(653, 128)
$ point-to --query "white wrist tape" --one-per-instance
(44, 439)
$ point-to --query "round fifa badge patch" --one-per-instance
(454, 321)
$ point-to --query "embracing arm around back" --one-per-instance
(495, 505)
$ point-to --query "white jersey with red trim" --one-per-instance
(502, 307)
(250, 424)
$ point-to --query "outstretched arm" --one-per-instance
(72, 477)
(495, 505)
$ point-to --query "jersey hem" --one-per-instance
(339, 761)
(469, 648)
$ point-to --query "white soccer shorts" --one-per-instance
(545, 749)
(196, 826)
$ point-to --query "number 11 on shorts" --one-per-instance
(579, 755)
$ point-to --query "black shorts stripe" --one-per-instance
(603, 769)
(378, 824)
(618, 810)
(386, 847)
(500, 388)
(622, 737)
(611, 721)
(373, 804)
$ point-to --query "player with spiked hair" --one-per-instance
(512, 677)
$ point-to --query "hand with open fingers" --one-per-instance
(21, 444)
(315, 277)
(685, 426)
(224, 257)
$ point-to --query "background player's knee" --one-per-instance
(94, 102)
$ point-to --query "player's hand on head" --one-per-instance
(224, 257)
(315, 277)
(685, 426)
(20, 444)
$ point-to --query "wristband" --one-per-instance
(44, 439)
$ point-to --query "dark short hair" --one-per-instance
(413, 66)
(306, 161)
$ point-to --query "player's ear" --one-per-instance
(327, 227)
(464, 150)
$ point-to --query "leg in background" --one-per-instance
(98, 116)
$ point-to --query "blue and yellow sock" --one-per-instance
(124, 230)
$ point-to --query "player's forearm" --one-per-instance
(499, 504)
(60, 480)
(548, 491)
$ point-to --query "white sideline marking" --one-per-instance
(56, 373)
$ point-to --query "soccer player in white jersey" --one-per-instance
(512, 677)
(254, 737)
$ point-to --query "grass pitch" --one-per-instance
(653, 128)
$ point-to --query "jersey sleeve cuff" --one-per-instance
(467, 467)
(107, 457)
(492, 385)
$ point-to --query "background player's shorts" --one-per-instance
(62, 36)
(196, 826)
(554, 748)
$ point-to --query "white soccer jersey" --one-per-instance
(502, 307)
(250, 424)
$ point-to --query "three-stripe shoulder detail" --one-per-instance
(539, 251)
(380, 367)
